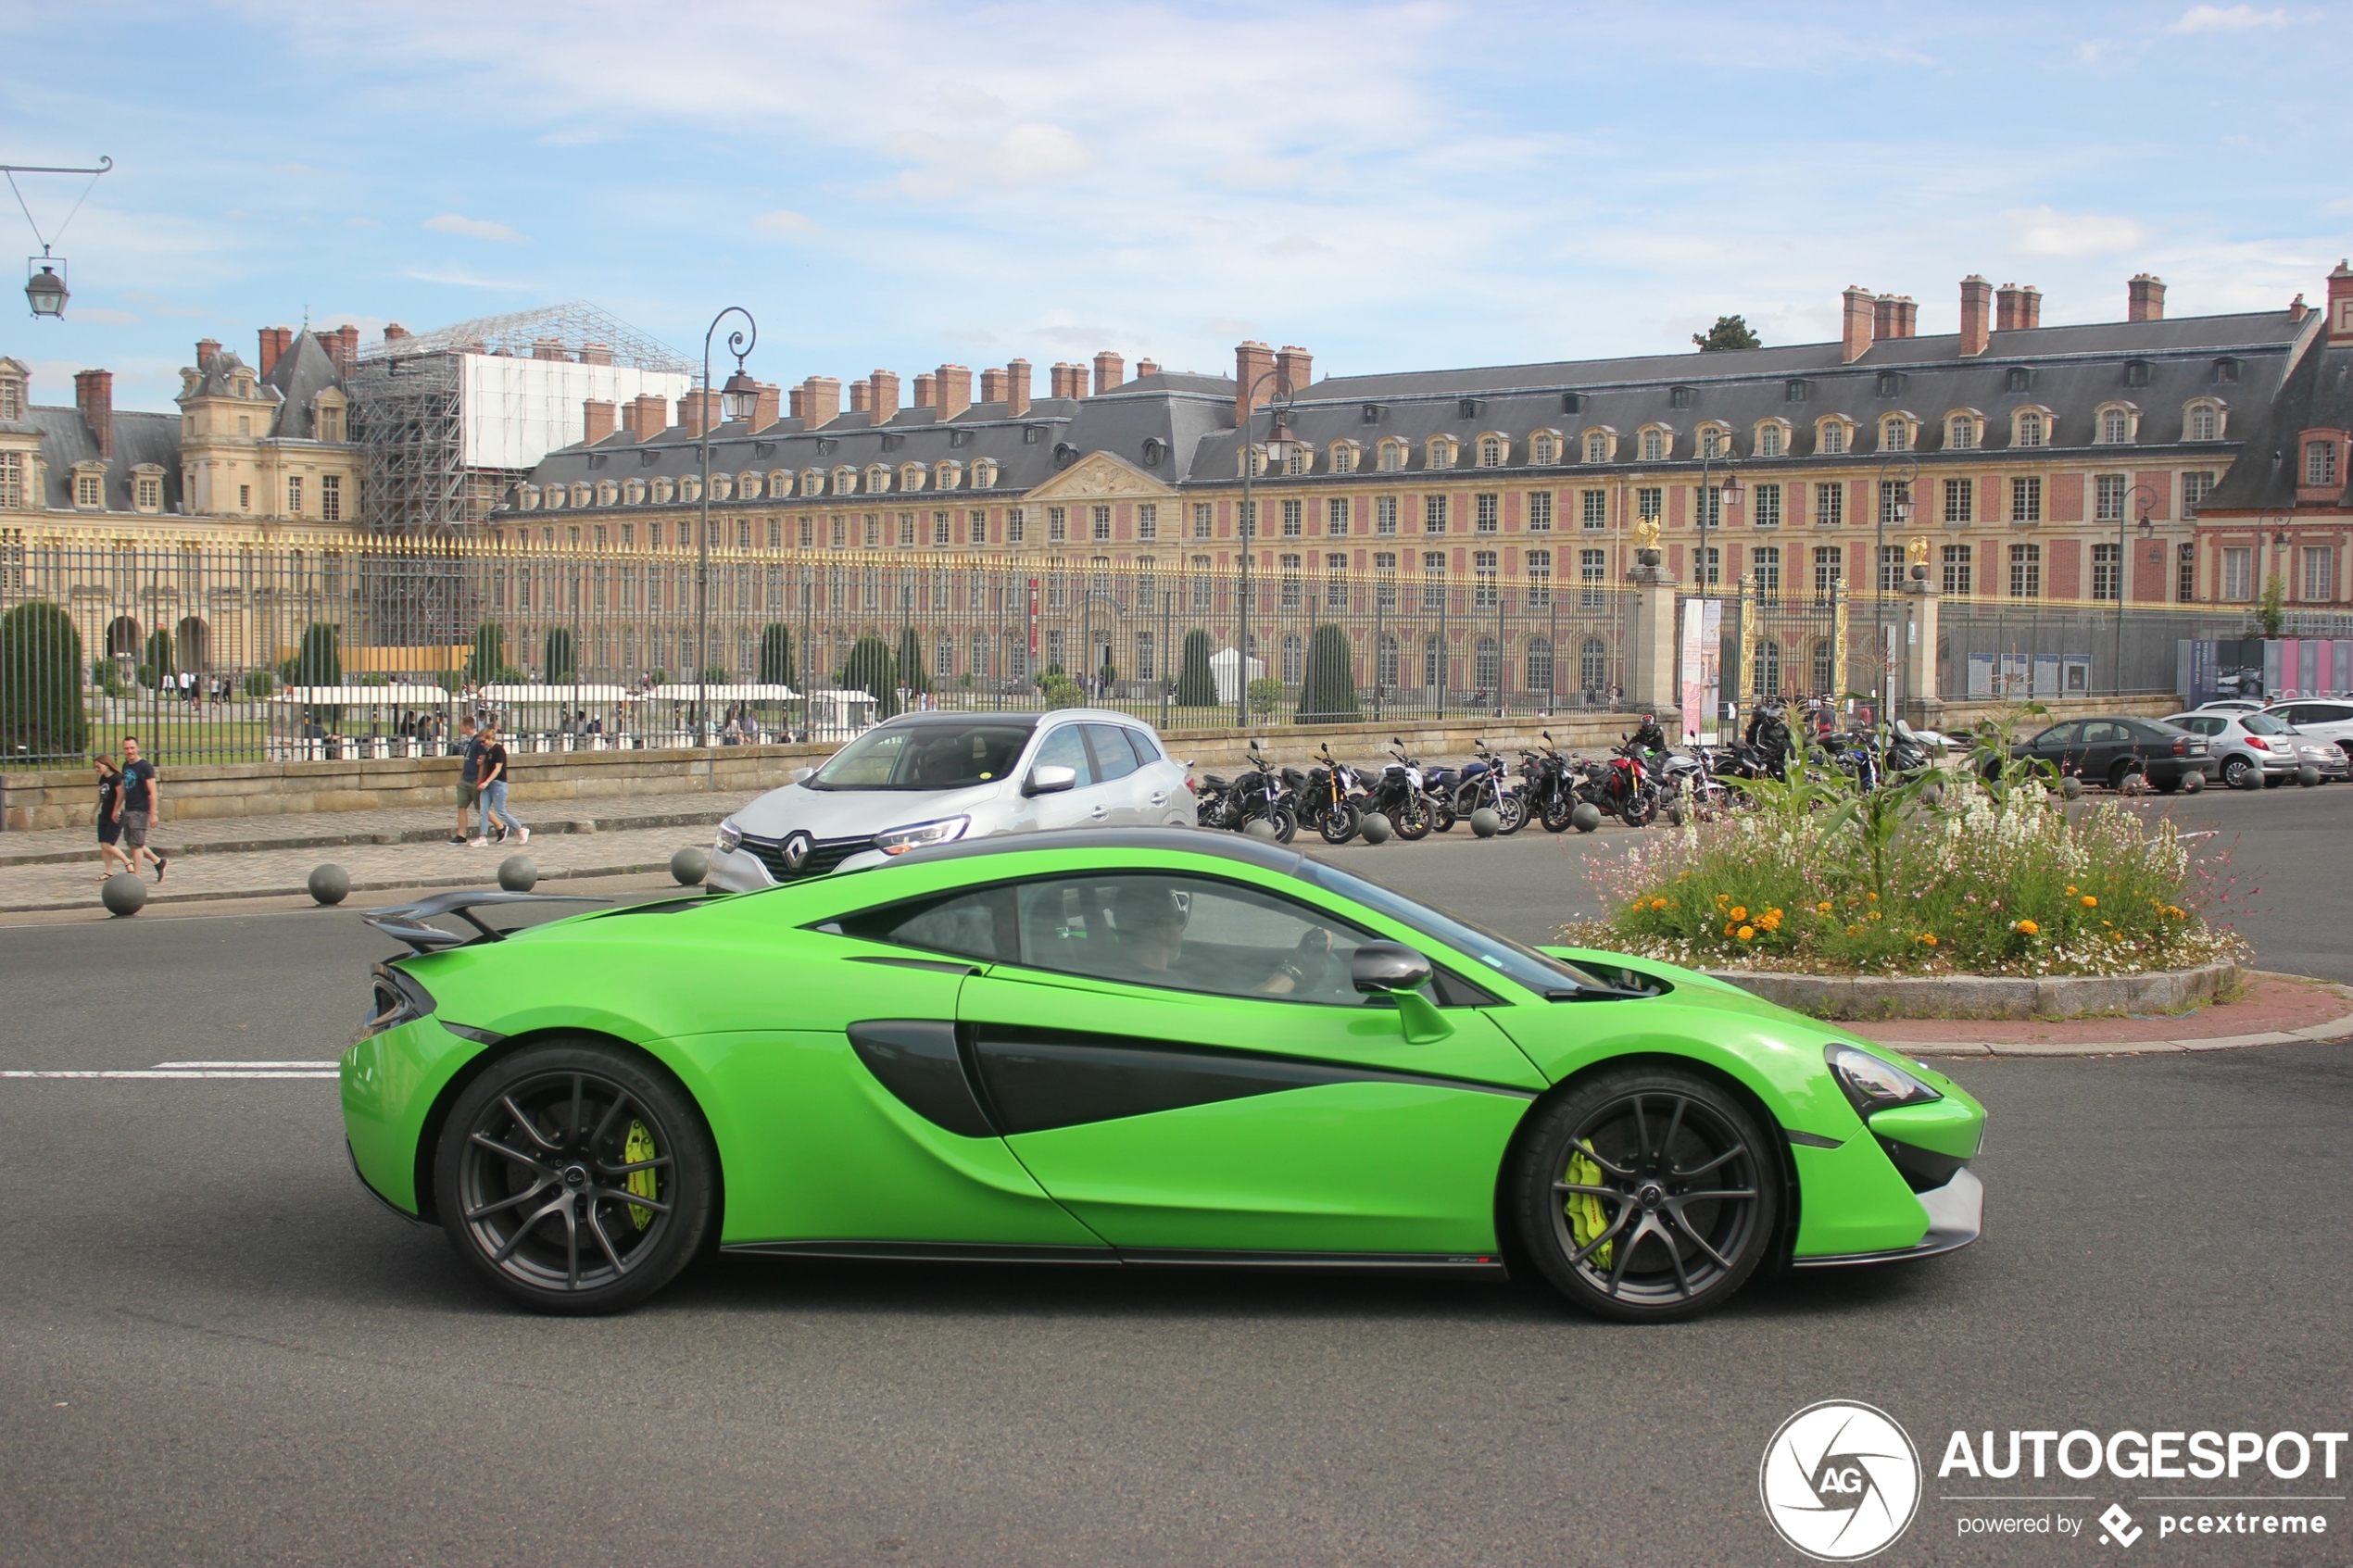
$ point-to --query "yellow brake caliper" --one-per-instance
(639, 1146)
(1586, 1220)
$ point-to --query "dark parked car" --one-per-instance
(2109, 750)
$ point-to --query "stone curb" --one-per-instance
(297, 890)
(704, 817)
(1869, 998)
(2337, 1030)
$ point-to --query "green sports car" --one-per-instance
(1131, 1048)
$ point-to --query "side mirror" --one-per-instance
(1051, 780)
(801, 774)
(1380, 968)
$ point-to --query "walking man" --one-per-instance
(469, 775)
(494, 790)
(137, 805)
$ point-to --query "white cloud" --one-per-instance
(783, 221)
(2042, 232)
(474, 228)
(2225, 18)
(103, 318)
(458, 278)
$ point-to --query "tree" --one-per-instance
(776, 655)
(41, 712)
(1264, 694)
(318, 659)
(869, 670)
(1196, 687)
(2270, 615)
(911, 661)
(1729, 332)
(1328, 694)
(556, 657)
(1060, 691)
(155, 667)
(488, 660)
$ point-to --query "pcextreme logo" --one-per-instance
(1840, 1481)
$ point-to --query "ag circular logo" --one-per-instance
(1841, 1481)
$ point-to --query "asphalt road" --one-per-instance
(215, 1349)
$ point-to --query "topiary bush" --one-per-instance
(488, 661)
(776, 655)
(40, 713)
(1328, 694)
(558, 659)
(869, 670)
(1196, 687)
(1265, 696)
(911, 661)
(155, 664)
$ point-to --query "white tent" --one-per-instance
(729, 691)
(365, 697)
(557, 695)
(1222, 665)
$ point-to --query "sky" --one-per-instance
(896, 184)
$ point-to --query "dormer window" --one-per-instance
(664, 491)
(779, 484)
(581, 494)
(1392, 455)
(1442, 451)
(1653, 445)
(1490, 451)
(633, 492)
(1297, 456)
(2019, 379)
(1895, 434)
(1600, 443)
(1344, 454)
(2319, 463)
(554, 498)
(1793, 391)
(1890, 384)
(984, 473)
(912, 477)
(748, 485)
(2226, 369)
(90, 487)
(1253, 460)
(877, 478)
(1831, 438)
(2136, 372)
(1545, 447)
(946, 474)
(2202, 422)
(721, 487)
(147, 488)
(1960, 432)
(2116, 424)
(1679, 397)
(527, 498)
(11, 391)
(845, 481)
(812, 482)
(1772, 439)
(2030, 429)
(1714, 441)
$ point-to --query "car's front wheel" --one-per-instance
(1646, 1194)
(575, 1177)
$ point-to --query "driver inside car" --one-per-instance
(1149, 923)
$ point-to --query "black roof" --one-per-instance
(140, 439)
(2318, 395)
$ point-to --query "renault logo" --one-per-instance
(797, 848)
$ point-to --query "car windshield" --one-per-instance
(918, 756)
(2261, 724)
(1523, 966)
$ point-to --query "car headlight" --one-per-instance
(898, 841)
(1872, 1084)
(731, 838)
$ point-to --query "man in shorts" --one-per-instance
(137, 805)
(469, 748)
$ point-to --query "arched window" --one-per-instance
(2204, 422)
(1392, 455)
(1711, 441)
(1597, 446)
(1960, 432)
(1296, 457)
(2115, 427)
(1592, 667)
(1768, 679)
(1654, 445)
(1540, 665)
(1386, 673)
(845, 481)
(1433, 663)
(1491, 452)
(877, 478)
(1895, 434)
(911, 476)
(1486, 666)
(1343, 458)
(2030, 429)
(1825, 666)
(1768, 441)
(1833, 438)
(812, 482)
(1293, 670)
(1442, 452)
(1541, 449)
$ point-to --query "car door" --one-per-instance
(1087, 803)
(1243, 1098)
(1161, 798)
(2057, 746)
(2103, 742)
(1117, 770)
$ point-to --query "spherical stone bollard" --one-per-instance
(1259, 827)
(1376, 827)
(2250, 777)
(517, 875)
(329, 884)
(122, 893)
(1485, 822)
(2193, 782)
(689, 866)
(2071, 789)
(2307, 775)
(1586, 818)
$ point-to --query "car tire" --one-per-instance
(526, 1181)
(1599, 1210)
(2237, 773)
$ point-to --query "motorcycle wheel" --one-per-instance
(1511, 812)
(1339, 823)
(1441, 816)
(1640, 809)
(1411, 819)
(1557, 809)
(1286, 824)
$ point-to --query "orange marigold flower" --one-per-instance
(1823, 908)
(1659, 903)
(1740, 911)
(1874, 915)
(1928, 938)
(1746, 932)
(2090, 902)
(2071, 890)
(1872, 897)
(1854, 931)
(2026, 928)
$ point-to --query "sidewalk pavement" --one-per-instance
(270, 857)
(2274, 1010)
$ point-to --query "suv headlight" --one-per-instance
(898, 841)
(731, 838)
(1872, 1084)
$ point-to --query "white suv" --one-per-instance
(933, 778)
(2327, 718)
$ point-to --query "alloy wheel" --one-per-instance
(1659, 1200)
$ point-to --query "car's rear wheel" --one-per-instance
(576, 1178)
(1646, 1194)
(2238, 773)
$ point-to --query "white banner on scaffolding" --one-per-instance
(1703, 664)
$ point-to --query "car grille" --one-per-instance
(823, 856)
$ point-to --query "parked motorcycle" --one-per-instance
(1400, 794)
(1483, 782)
(1549, 785)
(1325, 804)
(1260, 793)
(1620, 786)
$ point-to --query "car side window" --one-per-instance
(1147, 753)
(2057, 736)
(2100, 732)
(2324, 713)
(978, 924)
(1187, 934)
(1114, 757)
(1066, 747)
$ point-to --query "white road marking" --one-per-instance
(325, 1066)
(185, 1071)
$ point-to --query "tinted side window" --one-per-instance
(1147, 752)
(1114, 757)
(2057, 736)
(1187, 934)
(2099, 731)
(2325, 713)
(1066, 748)
(972, 925)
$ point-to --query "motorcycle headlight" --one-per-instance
(898, 841)
(731, 838)
(1872, 1084)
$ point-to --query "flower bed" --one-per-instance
(1956, 876)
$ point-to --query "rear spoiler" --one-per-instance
(406, 923)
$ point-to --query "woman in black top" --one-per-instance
(110, 856)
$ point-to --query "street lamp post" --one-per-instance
(44, 289)
(736, 400)
(1278, 434)
(1730, 497)
(2143, 499)
(1893, 505)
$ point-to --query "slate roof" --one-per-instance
(138, 438)
(2319, 395)
(301, 373)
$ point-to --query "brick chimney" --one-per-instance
(1883, 317)
(885, 395)
(1855, 331)
(792, 400)
(597, 415)
(346, 341)
(651, 416)
(2298, 309)
(275, 341)
(206, 348)
(1907, 316)
(548, 348)
(394, 331)
(820, 400)
(595, 354)
(94, 394)
(696, 408)
(1977, 297)
(2341, 305)
(1298, 366)
(2005, 313)
(2145, 299)
(1058, 378)
(992, 385)
(1110, 370)
(2030, 308)
(1018, 387)
(768, 406)
(926, 390)
(862, 397)
(1146, 367)
(954, 390)
(1252, 360)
